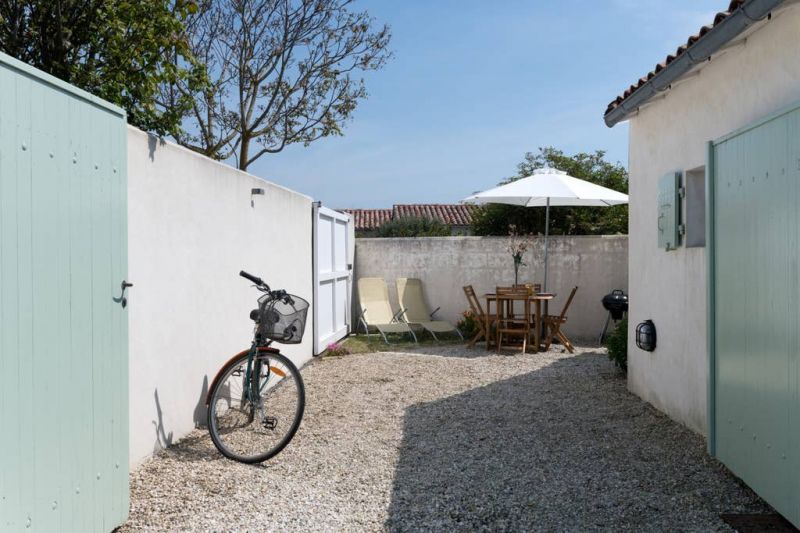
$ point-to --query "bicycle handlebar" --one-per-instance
(277, 295)
(254, 279)
(280, 294)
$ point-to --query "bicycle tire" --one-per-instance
(218, 386)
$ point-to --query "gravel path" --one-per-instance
(453, 439)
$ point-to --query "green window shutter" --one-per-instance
(669, 210)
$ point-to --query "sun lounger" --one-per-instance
(376, 311)
(415, 310)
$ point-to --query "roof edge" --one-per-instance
(744, 16)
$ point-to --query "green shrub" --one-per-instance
(617, 344)
(468, 324)
(414, 227)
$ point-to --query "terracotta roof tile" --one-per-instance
(450, 214)
(368, 219)
(722, 15)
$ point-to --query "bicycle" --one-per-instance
(257, 398)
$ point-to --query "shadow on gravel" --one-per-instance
(196, 446)
(460, 350)
(563, 448)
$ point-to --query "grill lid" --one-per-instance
(616, 302)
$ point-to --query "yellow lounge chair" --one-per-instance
(376, 311)
(415, 311)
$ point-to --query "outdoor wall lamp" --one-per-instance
(255, 192)
(646, 336)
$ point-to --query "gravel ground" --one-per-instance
(453, 438)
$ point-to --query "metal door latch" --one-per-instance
(122, 300)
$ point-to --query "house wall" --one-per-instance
(191, 229)
(735, 88)
(597, 264)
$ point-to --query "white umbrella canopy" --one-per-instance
(546, 187)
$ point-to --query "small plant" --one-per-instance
(617, 344)
(335, 349)
(468, 324)
(517, 247)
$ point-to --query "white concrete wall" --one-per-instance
(445, 264)
(191, 228)
(734, 89)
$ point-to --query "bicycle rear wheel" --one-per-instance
(251, 421)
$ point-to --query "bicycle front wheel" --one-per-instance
(254, 413)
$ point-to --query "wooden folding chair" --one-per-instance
(554, 323)
(478, 313)
(509, 323)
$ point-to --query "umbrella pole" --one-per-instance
(546, 237)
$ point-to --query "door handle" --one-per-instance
(122, 300)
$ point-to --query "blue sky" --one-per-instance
(473, 85)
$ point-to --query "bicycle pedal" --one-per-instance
(270, 422)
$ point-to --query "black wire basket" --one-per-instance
(282, 320)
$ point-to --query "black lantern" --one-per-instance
(646, 336)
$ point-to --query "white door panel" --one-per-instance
(332, 276)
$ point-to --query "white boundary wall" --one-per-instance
(191, 229)
(596, 264)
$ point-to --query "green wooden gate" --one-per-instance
(754, 399)
(63, 340)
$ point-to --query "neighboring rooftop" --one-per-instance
(369, 219)
(727, 25)
(450, 214)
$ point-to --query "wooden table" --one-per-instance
(500, 301)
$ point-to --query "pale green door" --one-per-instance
(63, 339)
(755, 418)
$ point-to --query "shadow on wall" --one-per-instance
(201, 410)
(552, 450)
(152, 143)
(164, 439)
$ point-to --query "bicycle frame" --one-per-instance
(250, 392)
(254, 350)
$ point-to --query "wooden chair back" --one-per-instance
(563, 314)
(474, 302)
(514, 290)
(509, 323)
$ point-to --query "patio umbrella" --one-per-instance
(546, 187)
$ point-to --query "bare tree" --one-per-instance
(280, 72)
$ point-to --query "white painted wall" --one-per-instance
(191, 228)
(596, 264)
(735, 88)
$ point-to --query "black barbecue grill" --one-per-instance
(616, 303)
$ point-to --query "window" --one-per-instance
(695, 202)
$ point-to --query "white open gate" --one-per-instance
(333, 276)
